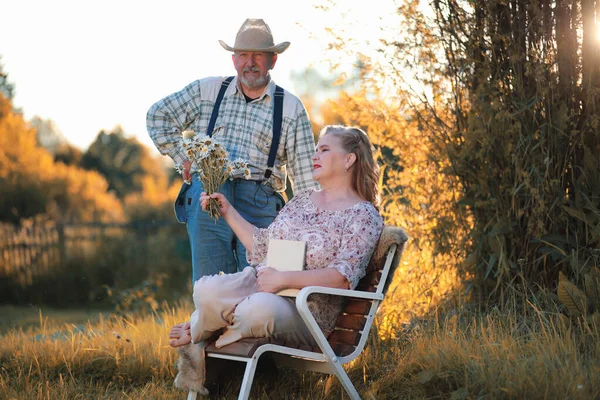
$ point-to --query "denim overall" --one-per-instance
(214, 246)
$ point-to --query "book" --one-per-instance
(286, 255)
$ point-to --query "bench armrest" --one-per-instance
(303, 294)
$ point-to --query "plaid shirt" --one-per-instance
(245, 129)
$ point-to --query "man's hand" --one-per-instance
(187, 176)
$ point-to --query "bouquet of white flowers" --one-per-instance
(211, 161)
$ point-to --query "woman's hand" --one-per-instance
(224, 204)
(269, 280)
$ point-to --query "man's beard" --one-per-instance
(255, 83)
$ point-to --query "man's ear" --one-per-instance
(273, 60)
(233, 59)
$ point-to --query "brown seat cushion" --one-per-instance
(247, 346)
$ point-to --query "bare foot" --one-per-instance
(180, 335)
(185, 325)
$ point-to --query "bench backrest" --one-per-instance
(353, 325)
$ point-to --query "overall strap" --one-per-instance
(215, 111)
(277, 119)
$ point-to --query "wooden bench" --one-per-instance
(351, 332)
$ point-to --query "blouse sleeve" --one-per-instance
(260, 244)
(359, 239)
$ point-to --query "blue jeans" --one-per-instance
(214, 246)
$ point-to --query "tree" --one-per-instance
(314, 89)
(33, 185)
(78, 195)
(24, 168)
(47, 134)
(6, 88)
(124, 162)
(68, 154)
(416, 195)
(509, 93)
(526, 134)
(505, 96)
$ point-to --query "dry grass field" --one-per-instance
(516, 351)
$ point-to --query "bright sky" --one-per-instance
(90, 65)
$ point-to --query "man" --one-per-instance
(244, 123)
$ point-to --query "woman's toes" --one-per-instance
(182, 341)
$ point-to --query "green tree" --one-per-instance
(124, 162)
(68, 154)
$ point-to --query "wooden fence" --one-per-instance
(36, 249)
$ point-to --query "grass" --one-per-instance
(14, 317)
(519, 350)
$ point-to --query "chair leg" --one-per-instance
(248, 378)
(345, 380)
(192, 395)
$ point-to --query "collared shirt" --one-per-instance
(245, 129)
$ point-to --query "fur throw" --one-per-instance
(389, 236)
(192, 368)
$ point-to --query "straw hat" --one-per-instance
(255, 35)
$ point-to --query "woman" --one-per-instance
(341, 226)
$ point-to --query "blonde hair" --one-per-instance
(365, 171)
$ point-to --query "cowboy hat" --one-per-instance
(255, 35)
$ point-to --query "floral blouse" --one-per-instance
(342, 239)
